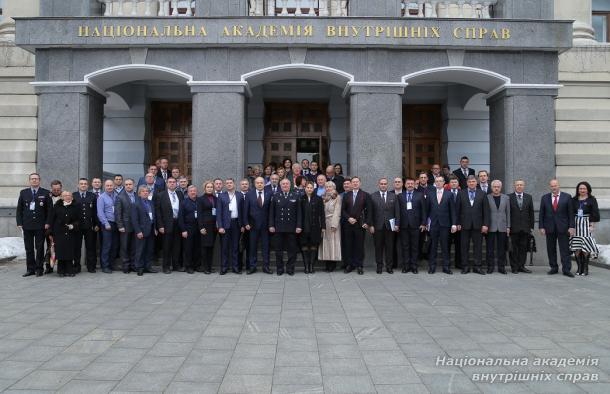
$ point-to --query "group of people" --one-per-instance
(295, 209)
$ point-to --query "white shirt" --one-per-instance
(173, 198)
(233, 206)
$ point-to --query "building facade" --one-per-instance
(384, 87)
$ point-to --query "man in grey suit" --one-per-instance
(522, 222)
(122, 212)
(499, 227)
(384, 209)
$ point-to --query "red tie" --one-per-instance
(555, 202)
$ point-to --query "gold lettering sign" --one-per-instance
(299, 30)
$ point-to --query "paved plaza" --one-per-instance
(331, 333)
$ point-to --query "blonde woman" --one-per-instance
(330, 248)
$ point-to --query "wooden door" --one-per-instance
(293, 126)
(421, 138)
(171, 125)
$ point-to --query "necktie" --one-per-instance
(409, 197)
(465, 171)
(439, 196)
(471, 195)
(355, 194)
(520, 200)
(555, 202)
(97, 194)
(82, 196)
(260, 200)
(173, 197)
(383, 194)
(454, 194)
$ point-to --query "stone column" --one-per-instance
(522, 138)
(581, 12)
(375, 139)
(219, 113)
(390, 8)
(70, 134)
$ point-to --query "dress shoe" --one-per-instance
(568, 274)
(360, 271)
(525, 270)
(71, 275)
(478, 271)
(405, 270)
(490, 270)
(167, 271)
(267, 271)
(207, 272)
(38, 273)
(280, 273)
(199, 269)
(552, 271)
(106, 270)
(125, 270)
(514, 271)
(29, 273)
(151, 271)
(503, 272)
(448, 271)
(48, 270)
(290, 273)
(223, 272)
(379, 270)
(431, 270)
(77, 269)
(91, 271)
(61, 275)
(251, 271)
(414, 270)
(181, 269)
(140, 272)
(390, 271)
(465, 271)
(237, 272)
(190, 271)
(348, 269)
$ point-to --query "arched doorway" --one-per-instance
(297, 111)
(148, 115)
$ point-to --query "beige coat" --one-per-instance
(330, 248)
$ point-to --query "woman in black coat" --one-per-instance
(63, 226)
(314, 221)
(207, 225)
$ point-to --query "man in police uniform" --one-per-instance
(88, 226)
(285, 223)
(32, 210)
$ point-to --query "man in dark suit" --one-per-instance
(336, 179)
(443, 218)
(521, 225)
(274, 186)
(356, 210)
(167, 209)
(256, 217)
(285, 222)
(454, 238)
(384, 208)
(463, 172)
(87, 228)
(229, 223)
(163, 171)
(143, 222)
(484, 182)
(244, 239)
(556, 221)
(424, 187)
(473, 222)
(33, 208)
(122, 210)
(411, 221)
(159, 183)
(398, 188)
